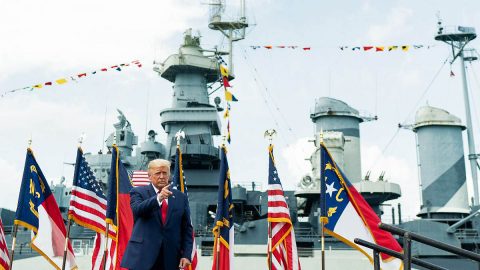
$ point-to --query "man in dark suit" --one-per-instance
(162, 233)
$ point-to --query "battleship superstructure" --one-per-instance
(445, 213)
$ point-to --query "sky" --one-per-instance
(47, 40)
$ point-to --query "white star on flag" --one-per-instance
(331, 189)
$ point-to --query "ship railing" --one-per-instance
(22, 245)
(470, 234)
(23, 248)
(250, 186)
(306, 233)
(299, 232)
(205, 231)
(406, 256)
(82, 247)
(389, 220)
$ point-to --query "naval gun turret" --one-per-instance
(125, 139)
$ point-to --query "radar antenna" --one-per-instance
(234, 29)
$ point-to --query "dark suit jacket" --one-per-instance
(149, 235)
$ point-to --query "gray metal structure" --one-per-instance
(339, 125)
(458, 37)
(192, 72)
(441, 164)
(445, 215)
(334, 115)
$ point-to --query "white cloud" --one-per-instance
(88, 33)
(24, 114)
(366, 5)
(294, 155)
(54, 129)
(397, 170)
(10, 183)
(396, 21)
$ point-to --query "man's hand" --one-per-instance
(184, 262)
(164, 193)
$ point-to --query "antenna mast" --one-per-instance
(234, 30)
(458, 37)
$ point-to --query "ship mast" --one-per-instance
(234, 30)
(458, 37)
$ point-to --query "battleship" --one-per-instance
(445, 214)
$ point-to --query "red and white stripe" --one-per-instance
(284, 246)
(194, 256)
(88, 209)
(4, 258)
(140, 178)
(51, 233)
(99, 252)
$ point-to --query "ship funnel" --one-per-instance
(340, 124)
(441, 163)
(334, 115)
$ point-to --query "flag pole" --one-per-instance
(67, 238)
(323, 243)
(217, 240)
(269, 246)
(65, 249)
(15, 229)
(105, 253)
(217, 258)
(269, 133)
(323, 218)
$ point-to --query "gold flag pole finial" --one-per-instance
(321, 135)
(179, 135)
(115, 138)
(269, 134)
(81, 139)
(224, 139)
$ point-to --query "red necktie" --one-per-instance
(164, 210)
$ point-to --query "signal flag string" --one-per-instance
(73, 78)
(355, 48)
(229, 97)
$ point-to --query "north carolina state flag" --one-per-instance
(348, 216)
(38, 211)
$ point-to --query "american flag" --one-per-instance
(99, 252)
(283, 245)
(4, 259)
(139, 178)
(88, 205)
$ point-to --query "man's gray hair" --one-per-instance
(159, 163)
